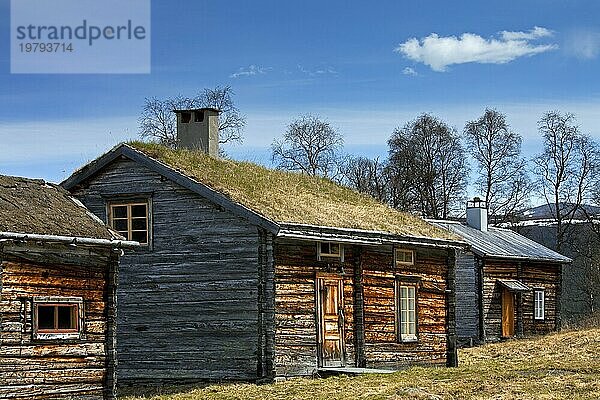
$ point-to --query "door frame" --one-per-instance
(319, 280)
(511, 318)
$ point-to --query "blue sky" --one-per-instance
(365, 67)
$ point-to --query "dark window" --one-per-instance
(198, 116)
(186, 117)
(327, 249)
(57, 318)
(405, 257)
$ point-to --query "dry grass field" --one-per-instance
(564, 365)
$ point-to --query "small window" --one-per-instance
(405, 257)
(186, 117)
(330, 250)
(57, 317)
(198, 116)
(407, 312)
(539, 304)
(131, 221)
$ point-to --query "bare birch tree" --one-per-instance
(502, 178)
(429, 157)
(564, 169)
(158, 122)
(367, 176)
(309, 145)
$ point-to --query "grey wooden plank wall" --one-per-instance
(187, 306)
(467, 298)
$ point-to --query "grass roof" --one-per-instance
(32, 206)
(289, 197)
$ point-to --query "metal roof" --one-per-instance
(502, 243)
(514, 285)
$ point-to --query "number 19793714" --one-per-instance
(36, 47)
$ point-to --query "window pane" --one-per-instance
(66, 317)
(325, 248)
(45, 317)
(408, 256)
(119, 211)
(139, 237)
(334, 248)
(120, 224)
(138, 211)
(138, 224)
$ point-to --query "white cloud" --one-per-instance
(583, 44)
(441, 51)
(318, 71)
(251, 70)
(535, 33)
(409, 71)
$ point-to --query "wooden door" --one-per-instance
(508, 314)
(330, 296)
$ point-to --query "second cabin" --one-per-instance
(250, 273)
(507, 285)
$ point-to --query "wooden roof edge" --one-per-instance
(564, 260)
(124, 149)
(69, 240)
(360, 236)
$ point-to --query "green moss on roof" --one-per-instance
(289, 197)
(32, 206)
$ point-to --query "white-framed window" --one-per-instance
(131, 220)
(57, 317)
(539, 304)
(404, 257)
(330, 250)
(406, 312)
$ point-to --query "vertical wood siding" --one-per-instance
(188, 305)
(467, 298)
(535, 275)
(43, 369)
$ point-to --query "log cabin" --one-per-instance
(248, 273)
(58, 271)
(506, 284)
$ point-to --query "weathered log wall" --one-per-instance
(188, 303)
(382, 348)
(36, 368)
(467, 298)
(296, 266)
(534, 275)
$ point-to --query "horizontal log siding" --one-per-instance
(533, 275)
(43, 369)
(296, 329)
(296, 266)
(548, 278)
(188, 306)
(382, 349)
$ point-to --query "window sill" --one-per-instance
(409, 340)
(57, 336)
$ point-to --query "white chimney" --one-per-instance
(477, 214)
(198, 129)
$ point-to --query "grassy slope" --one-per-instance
(559, 366)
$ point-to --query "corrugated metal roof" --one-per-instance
(502, 243)
(514, 285)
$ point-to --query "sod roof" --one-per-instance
(289, 197)
(32, 206)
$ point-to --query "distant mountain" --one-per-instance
(548, 211)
